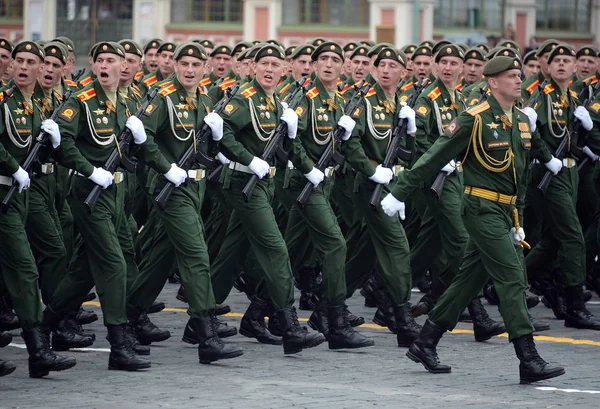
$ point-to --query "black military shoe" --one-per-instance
(483, 326)
(423, 350)
(341, 335)
(465, 316)
(181, 295)
(146, 332)
(577, 315)
(41, 358)
(84, 317)
(354, 320)
(489, 292)
(7, 367)
(319, 320)
(223, 331)
(273, 325)
(533, 368)
(537, 324)
(423, 307)
(532, 301)
(553, 300)
(210, 347)
(368, 291)
(175, 278)
(122, 357)
(253, 323)
(132, 340)
(385, 318)
(295, 337)
(156, 307)
(5, 339)
(65, 336)
(222, 309)
(408, 329)
(304, 302)
(89, 297)
(8, 319)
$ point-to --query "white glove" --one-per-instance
(450, 167)
(554, 165)
(223, 159)
(22, 178)
(517, 237)
(291, 119)
(584, 116)
(348, 124)
(590, 154)
(315, 176)
(259, 167)
(137, 129)
(382, 175)
(176, 175)
(102, 177)
(284, 105)
(51, 128)
(215, 123)
(390, 205)
(532, 116)
(407, 112)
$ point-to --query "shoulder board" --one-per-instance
(346, 86)
(533, 86)
(595, 107)
(150, 81)
(339, 81)
(371, 92)
(136, 91)
(228, 83)
(477, 109)
(306, 81)
(573, 93)
(460, 86)
(167, 88)
(164, 84)
(138, 75)
(407, 86)
(71, 83)
(86, 95)
(591, 80)
(548, 89)
(248, 92)
(85, 81)
(205, 82)
(284, 88)
(312, 93)
(434, 94)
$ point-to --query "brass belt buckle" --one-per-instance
(118, 177)
(397, 169)
(272, 171)
(329, 172)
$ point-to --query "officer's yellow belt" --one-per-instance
(490, 195)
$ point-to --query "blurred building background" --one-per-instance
(296, 21)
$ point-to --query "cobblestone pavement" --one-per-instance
(484, 375)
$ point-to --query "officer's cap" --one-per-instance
(28, 47)
(546, 47)
(351, 46)
(587, 51)
(276, 42)
(427, 43)
(269, 50)
(529, 56)
(250, 53)
(240, 47)
(484, 47)
(409, 49)
(290, 51)
(205, 43)
(6, 44)
(152, 44)
(368, 43)
(66, 41)
(389, 53)
(303, 49)
(560, 50)
(131, 47)
(168, 46)
(190, 49)
(507, 52)
(58, 50)
(361, 51)
(41, 43)
(255, 42)
(463, 46)
(500, 64)
(328, 46)
(377, 48)
(108, 47)
(475, 53)
(438, 46)
(421, 50)
(318, 41)
(509, 44)
(449, 50)
(221, 49)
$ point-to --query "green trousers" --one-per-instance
(383, 240)
(562, 235)
(45, 235)
(490, 252)
(321, 229)
(255, 222)
(178, 233)
(63, 187)
(106, 238)
(17, 263)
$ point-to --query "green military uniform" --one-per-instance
(487, 216)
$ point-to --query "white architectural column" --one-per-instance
(400, 14)
(150, 18)
(39, 19)
(261, 19)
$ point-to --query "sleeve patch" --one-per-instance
(300, 111)
(68, 113)
(595, 107)
(150, 109)
(356, 112)
(230, 109)
(422, 110)
(452, 128)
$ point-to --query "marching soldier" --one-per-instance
(494, 139)
(301, 66)
(531, 66)
(150, 59)
(531, 84)
(6, 48)
(166, 67)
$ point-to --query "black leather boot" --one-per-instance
(553, 299)
(577, 315)
(385, 318)
(210, 347)
(354, 320)
(7, 367)
(319, 320)
(146, 332)
(41, 358)
(122, 357)
(423, 350)
(537, 324)
(5, 339)
(8, 319)
(533, 368)
(408, 329)
(425, 304)
(181, 295)
(489, 292)
(253, 323)
(341, 334)
(89, 297)
(295, 337)
(367, 292)
(175, 278)
(84, 317)
(222, 309)
(132, 339)
(273, 325)
(223, 331)
(156, 307)
(65, 336)
(483, 326)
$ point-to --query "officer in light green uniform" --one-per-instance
(21, 122)
(562, 235)
(384, 239)
(249, 122)
(494, 140)
(530, 84)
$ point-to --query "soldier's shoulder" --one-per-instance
(85, 94)
(478, 109)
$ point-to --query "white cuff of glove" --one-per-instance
(223, 159)
(554, 165)
(259, 167)
(315, 176)
(215, 123)
(590, 154)
(450, 167)
(348, 124)
(532, 116)
(584, 116)
(408, 113)
(390, 206)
